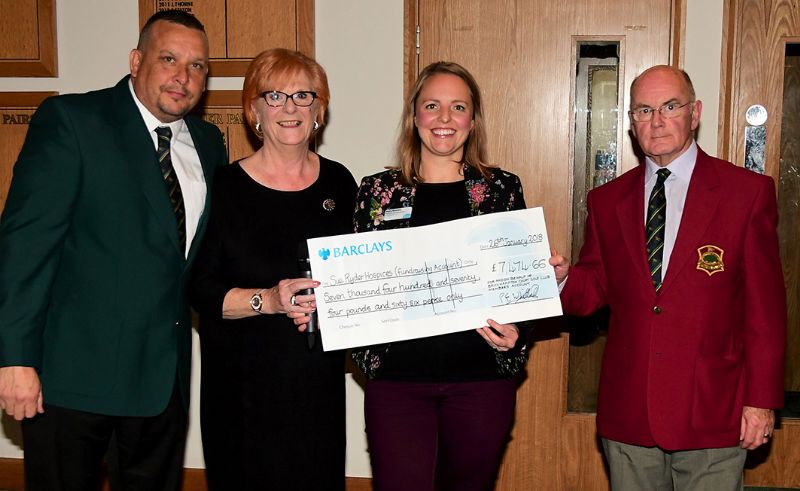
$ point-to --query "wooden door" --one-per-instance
(523, 54)
(762, 67)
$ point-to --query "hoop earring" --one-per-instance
(316, 126)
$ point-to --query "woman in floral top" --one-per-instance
(439, 409)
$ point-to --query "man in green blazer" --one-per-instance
(103, 219)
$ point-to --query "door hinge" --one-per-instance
(418, 31)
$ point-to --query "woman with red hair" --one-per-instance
(272, 408)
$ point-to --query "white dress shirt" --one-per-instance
(675, 188)
(186, 163)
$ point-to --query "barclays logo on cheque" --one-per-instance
(355, 250)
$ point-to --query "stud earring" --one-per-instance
(316, 126)
(258, 127)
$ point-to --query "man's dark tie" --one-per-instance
(654, 229)
(171, 180)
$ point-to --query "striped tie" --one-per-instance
(171, 180)
(654, 229)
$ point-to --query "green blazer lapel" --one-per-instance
(140, 156)
(207, 159)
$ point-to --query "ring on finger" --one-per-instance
(293, 301)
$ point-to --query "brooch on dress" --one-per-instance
(329, 204)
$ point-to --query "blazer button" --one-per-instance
(656, 309)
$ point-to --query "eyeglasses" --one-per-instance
(276, 98)
(667, 111)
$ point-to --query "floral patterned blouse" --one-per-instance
(385, 191)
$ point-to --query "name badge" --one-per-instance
(397, 214)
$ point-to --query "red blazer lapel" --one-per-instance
(630, 213)
(702, 199)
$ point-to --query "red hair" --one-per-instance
(274, 67)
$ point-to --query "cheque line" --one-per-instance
(410, 290)
(343, 282)
(367, 309)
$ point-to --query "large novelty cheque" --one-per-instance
(408, 283)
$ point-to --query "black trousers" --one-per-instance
(64, 449)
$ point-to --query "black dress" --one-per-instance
(272, 413)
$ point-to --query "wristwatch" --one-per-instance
(256, 302)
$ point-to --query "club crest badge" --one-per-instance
(710, 259)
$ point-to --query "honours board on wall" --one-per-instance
(240, 29)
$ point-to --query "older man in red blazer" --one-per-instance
(684, 251)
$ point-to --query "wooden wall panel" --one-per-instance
(28, 38)
(240, 29)
(726, 82)
(583, 466)
(253, 27)
(16, 108)
(777, 464)
(224, 109)
(18, 30)
(12, 477)
(678, 33)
